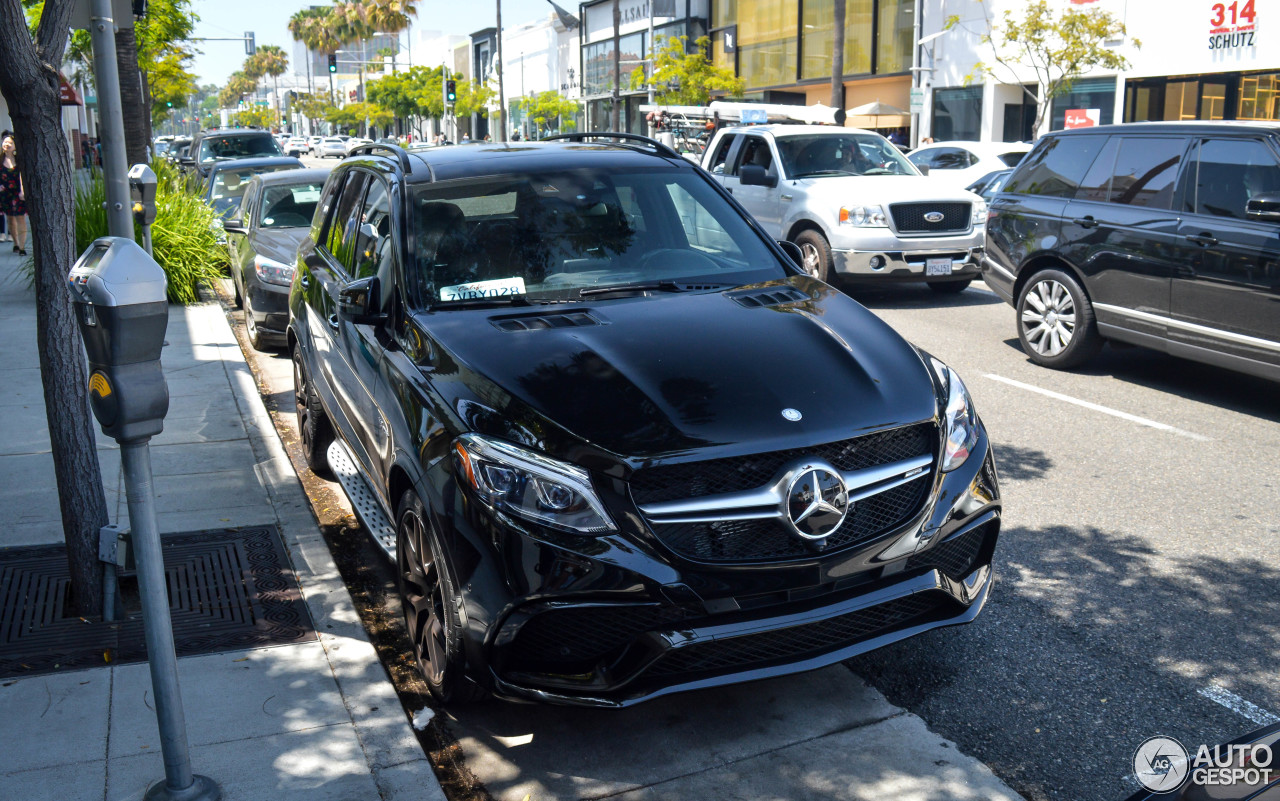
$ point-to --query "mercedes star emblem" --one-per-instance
(817, 502)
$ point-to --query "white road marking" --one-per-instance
(1142, 421)
(1241, 707)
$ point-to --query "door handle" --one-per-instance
(333, 322)
(1203, 240)
(1086, 221)
(304, 281)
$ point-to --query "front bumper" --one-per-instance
(612, 627)
(270, 306)
(883, 255)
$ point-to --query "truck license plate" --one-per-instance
(937, 267)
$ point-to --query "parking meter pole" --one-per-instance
(115, 162)
(146, 240)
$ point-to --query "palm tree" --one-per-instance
(238, 85)
(307, 26)
(272, 61)
(837, 62)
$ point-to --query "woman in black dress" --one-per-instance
(13, 200)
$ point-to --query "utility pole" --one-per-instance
(616, 101)
(115, 163)
(837, 62)
(502, 94)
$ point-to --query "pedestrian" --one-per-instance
(13, 200)
(488, 138)
(466, 137)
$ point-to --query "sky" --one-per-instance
(269, 20)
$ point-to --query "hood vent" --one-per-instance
(769, 297)
(535, 322)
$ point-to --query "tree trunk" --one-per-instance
(30, 87)
(837, 61)
(137, 116)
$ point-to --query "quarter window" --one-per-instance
(1229, 172)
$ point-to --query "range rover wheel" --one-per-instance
(430, 602)
(817, 254)
(1056, 325)
(950, 287)
(314, 428)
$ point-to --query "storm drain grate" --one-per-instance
(228, 589)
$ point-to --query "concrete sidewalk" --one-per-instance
(316, 720)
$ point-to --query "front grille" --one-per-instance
(955, 557)
(753, 540)
(908, 218)
(584, 636)
(798, 642)
(712, 477)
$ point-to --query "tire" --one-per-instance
(430, 603)
(314, 429)
(251, 330)
(1056, 325)
(949, 287)
(817, 254)
(235, 282)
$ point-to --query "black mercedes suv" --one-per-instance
(1165, 235)
(616, 441)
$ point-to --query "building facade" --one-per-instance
(540, 56)
(1188, 60)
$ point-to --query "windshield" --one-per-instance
(290, 206)
(213, 148)
(841, 154)
(229, 185)
(548, 236)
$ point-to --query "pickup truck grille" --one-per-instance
(909, 218)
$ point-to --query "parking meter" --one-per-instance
(142, 190)
(119, 295)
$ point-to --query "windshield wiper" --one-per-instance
(814, 173)
(652, 286)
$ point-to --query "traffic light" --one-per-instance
(333, 63)
(450, 91)
(250, 46)
(169, 104)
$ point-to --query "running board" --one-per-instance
(362, 498)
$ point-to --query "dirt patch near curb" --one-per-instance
(370, 580)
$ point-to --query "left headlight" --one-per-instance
(530, 485)
(271, 271)
(960, 418)
(979, 215)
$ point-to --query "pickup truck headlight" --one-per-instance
(271, 271)
(979, 215)
(530, 485)
(960, 418)
(864, 216)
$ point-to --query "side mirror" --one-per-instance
(235, 226)
(923, 168)
(1264, 206)
(755, 175)
(793, 252)
(359, 301)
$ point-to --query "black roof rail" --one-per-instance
(395, 150)
(582, 136)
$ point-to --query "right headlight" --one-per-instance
(864, 216)
(530, 485)
(960, 418)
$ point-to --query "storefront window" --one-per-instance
(957, 114)
(1099, 93)
(893, 45)
(767, 41)
(597, 68)
(632, 51)
(1259, 97)
(724, 13)
(819, 38)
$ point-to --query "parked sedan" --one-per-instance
(959, 164)
(332, 146)
(356, 141)
(263, 242)
(225, 186)
(296, 146)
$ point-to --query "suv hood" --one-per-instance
(663, 376)
(884, 189)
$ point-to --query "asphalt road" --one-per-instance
(1137, 564)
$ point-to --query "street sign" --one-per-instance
(917, 100)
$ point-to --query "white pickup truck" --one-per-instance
(852, 203)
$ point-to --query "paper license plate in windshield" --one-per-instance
(937, 266)
(481, 290)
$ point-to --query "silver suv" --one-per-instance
(852, 203)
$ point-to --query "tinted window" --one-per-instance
(213, 148)
(722, 154)
(1054, 168)
(755, 150)
(228, 186)
(341, 239)
(1096, 185)
(1012, 159)
(373, 237)
(950, 158)
(1145, 171)
(1229, 172)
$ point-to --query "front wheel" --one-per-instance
(817, 254)
(431, 603)
(1056, 325)
(314, 428)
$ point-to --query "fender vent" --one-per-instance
(769, 297)
(535, 322)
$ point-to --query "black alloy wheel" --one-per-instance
(314, 429)
(430, 604)
(817, 254)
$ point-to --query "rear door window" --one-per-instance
(1096, 185)
(1229, 172)
(1056, 166)
(1145, 171)
(950, 158)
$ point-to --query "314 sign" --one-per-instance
(1232, 26)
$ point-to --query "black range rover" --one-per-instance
(618, 444)
(1165, 235)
